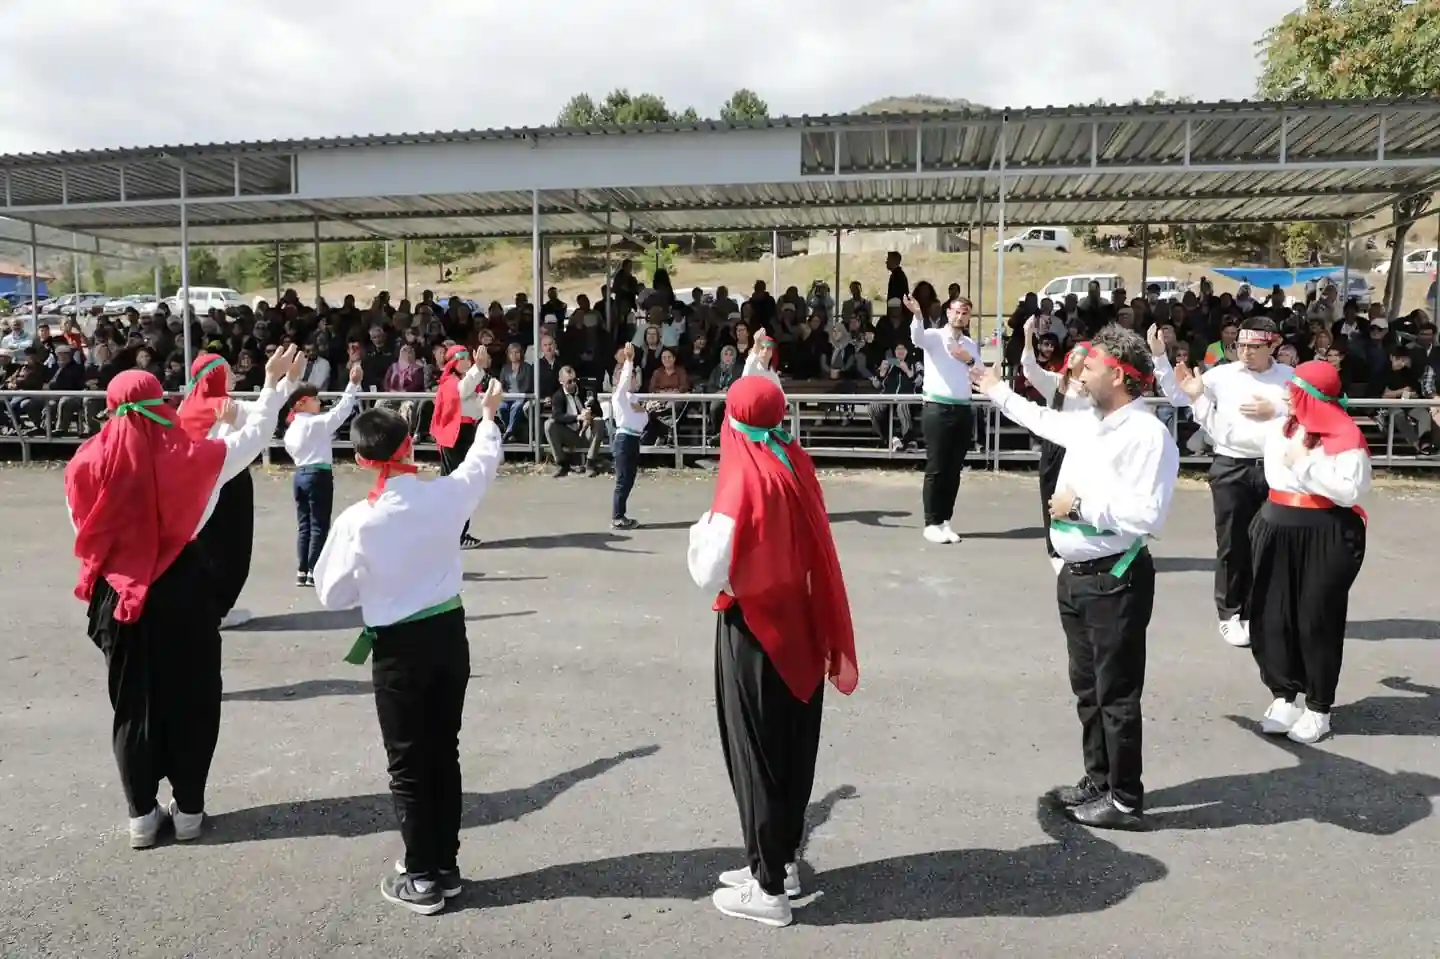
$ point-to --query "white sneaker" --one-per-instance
(935, 534)
(950, 535)
(1310, 728)
(144, 830)
(736, 878)
(1057, 564)
(1281, 717)
(1234, 632)
(751, 902)
(896, 445)
(187, 825)
(234, 618)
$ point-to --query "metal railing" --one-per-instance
(687, 422)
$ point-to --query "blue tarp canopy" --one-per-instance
(1265, 278)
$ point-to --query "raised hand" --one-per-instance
(357, 374)
(1189, 382)
(490, 402)
(986, 381)
(911, 304)
(1156, 340)
(278, 364)
(629, 352)
(226, 412)
(1029, 331)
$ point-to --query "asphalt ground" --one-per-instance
(597, 810)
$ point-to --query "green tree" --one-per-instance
(744, 104)
(620, 108)
(205, 268)
(1341, 49)
(338, 259)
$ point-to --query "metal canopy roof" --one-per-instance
(1201, 163)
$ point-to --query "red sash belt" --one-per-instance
(1310, 501)
(468, 419)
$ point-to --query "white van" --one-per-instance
(203, 299)
(1079, 284)
(1057, 238)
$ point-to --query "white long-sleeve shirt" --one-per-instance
(1343, 478)
(470, 395)
(242, 445)
(1230, 385)
(623, 414)
(246, 409)
(1047, 383)
(308, 437)
(401, 554)
(1122, 467)
(947, 379)
(711, 542)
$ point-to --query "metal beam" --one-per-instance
(591, 217)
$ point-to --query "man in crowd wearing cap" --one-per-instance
(395, 556)
(1246, 395)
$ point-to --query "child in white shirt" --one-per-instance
(307, 440)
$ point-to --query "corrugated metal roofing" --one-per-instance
(1212, 162)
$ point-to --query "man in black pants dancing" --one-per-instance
(1246, 395)
(946, 421)
(1113, 493)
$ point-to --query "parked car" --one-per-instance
(81, 304)
(1360, 290)
(1171, 288)
(136, 301)
(1057, 238)
(1416, 261)
(1079, 284)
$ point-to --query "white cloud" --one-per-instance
(96, 73)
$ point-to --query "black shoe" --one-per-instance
(1077, 795)
(469, 542)
(302, 579)
(1102, 813)
(623, 522)
(450, 883)
(401, 890)
(561, 471)
(592, 471)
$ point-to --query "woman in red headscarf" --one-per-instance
(138, 492)
(228, 538)
(765, 551)
(1307, 546)
(457, 411)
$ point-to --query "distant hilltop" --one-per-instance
(921, 103)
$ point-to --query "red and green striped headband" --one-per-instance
(218, 361)
(1342, 400)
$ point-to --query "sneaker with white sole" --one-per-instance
(950, 535)
(234, 618)
(1310, 728)
(1281, 717)
(736, 878)
(413, 894)
(188, 826)
(751, 902)
(451, 885)
(144, 830)
(936, 534)
(1234, 632)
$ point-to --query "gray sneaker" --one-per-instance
(423, 898)
(451, 885)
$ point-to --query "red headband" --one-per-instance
(1126, 368)
(395, 464)
(1255, 337)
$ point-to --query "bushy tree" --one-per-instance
(744, 104)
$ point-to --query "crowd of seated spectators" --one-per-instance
(687, 342)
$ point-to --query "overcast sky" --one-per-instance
(104, 73)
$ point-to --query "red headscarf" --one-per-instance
(137, 491)
(208, 391)
(445, 420)
(783, 568)
(1318, 405)
(387, 468)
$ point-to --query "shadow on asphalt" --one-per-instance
(321, 620)
(309, 689)
(1379, 630)
(1322, 787)
(349, 816)
(1417, 714)
(1076, 872)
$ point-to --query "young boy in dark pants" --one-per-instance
(308, 441)
(396, 557)
(630, 420)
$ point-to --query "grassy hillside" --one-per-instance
(499, 274)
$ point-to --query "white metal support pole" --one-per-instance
(774, 261)
(609, 277)
(1345, 281)
(387, 264)
(185, 268)
(34, 282)
(1144, 258)
(319, 273)
(405, 266)
(835, 291)
(979, 305)
(1435, 282)
(1000, 261)
(159, 272)
(75, 268)
(536, 264)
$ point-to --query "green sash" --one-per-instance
(774, 439)
(1126, 558)
(143, 408)
(946, 400)
(360, 652)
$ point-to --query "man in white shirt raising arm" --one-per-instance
(946, 421)
(1247, 395)
(1113, 493)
